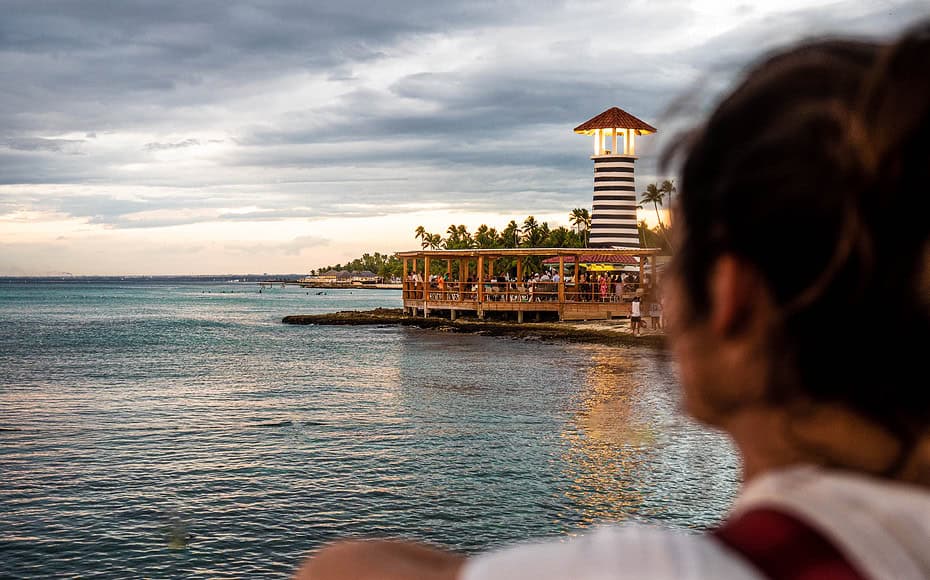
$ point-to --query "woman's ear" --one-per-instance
(738, 297)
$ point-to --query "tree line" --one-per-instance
(528, 234)
(385, 265)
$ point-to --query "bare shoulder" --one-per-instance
(384, 560)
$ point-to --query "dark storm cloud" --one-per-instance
(40, 144)
(168, 146)
(170, 77)
(485, 106)
(101, 58)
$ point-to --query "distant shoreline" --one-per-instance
(397, 286)
(613, 333)
(178, 278)
(229, 279)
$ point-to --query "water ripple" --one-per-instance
(175, 431)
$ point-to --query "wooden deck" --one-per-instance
(472, 284)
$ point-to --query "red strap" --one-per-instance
(785, 548)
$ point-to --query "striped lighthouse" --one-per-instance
(613, 219)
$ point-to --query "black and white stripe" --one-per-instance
(613, 221)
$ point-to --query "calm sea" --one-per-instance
(179, 430)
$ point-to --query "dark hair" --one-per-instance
(815, 171)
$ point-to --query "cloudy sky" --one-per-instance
(225, 136)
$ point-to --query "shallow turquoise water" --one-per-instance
(180, 430)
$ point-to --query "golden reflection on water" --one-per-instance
(607, 442)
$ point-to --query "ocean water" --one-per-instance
(179, 430)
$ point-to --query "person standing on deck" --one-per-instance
(655, 312)
(835, 456)
(636, 316)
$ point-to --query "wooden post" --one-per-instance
(561, 279)
(446, 285)
(653, 279)
(405, 284)
(480, 280)
(413, 286)
(642, 267)
(463, 271)
(577, 283)
(519, 270)
(491, 274)
(425, 286)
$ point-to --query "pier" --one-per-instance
(496, 280)
(273, 283)
(303, 283)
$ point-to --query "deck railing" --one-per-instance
(517, 291)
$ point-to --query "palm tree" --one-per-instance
(580, 217)
(464, 236)
(668, 188)
(530, 231)
(452, 238)
(433, 241)
(510, 236)
(642, 233)
(560, 237)
(458, 238)
(654, 195)
(421, 234)
(485, 237)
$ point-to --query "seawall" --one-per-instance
(595, 333)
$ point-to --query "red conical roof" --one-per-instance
(615, 118)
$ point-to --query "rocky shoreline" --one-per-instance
(610, 333)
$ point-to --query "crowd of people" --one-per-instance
(540, 287)
(645, 300)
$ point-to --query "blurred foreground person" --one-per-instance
(804, 210)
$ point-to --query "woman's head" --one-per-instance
(802, 251)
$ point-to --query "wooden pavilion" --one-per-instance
(492, 280)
